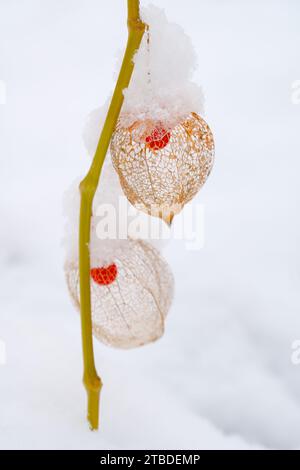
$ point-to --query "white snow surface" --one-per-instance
(222, 375)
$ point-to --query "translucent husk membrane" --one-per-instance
(160, 167)
(130, 311)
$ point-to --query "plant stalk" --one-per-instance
(88, 187)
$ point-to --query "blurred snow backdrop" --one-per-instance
(222, 376)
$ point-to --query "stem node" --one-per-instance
(93, 386)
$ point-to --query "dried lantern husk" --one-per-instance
(162, 168)
(130, 304)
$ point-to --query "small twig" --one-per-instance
(88, 188)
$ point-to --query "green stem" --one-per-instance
(88, 188)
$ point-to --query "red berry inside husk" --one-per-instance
(158, 139)
(104, 276)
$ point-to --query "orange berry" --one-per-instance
(104, 276)
(158, 139)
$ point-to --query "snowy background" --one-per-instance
(222, 376)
